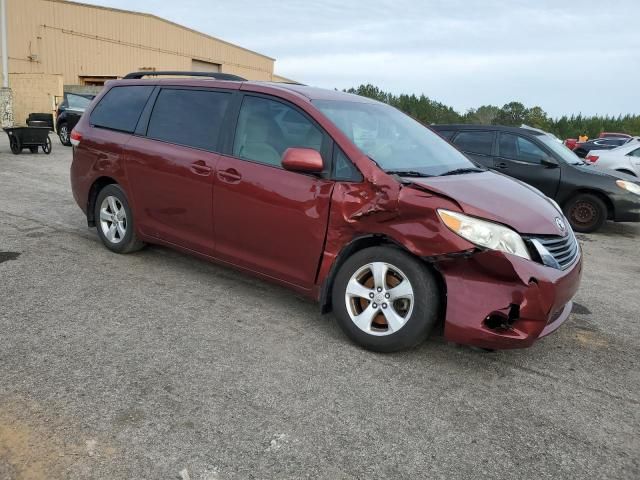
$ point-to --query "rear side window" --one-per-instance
(77, 102)
(266, 128)
(635, 153)
(121, 107)
(475, 142)
(519, 148)
(188, 117)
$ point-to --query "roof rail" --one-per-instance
(216, 75)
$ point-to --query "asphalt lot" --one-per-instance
(147, 365)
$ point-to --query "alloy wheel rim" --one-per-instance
(379, 298)
(64, 134)
(113, 219)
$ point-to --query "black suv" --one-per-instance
(69, 112)
(588, 196)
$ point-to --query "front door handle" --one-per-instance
(200, 168)
(501, 165)
(230, 175)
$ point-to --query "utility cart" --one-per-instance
(29, 137)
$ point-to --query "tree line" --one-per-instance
(429, 111)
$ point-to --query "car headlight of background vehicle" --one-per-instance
(485, 233)
(629, 186)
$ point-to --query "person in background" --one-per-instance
(583, 138)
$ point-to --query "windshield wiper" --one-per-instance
(407, 173)
(459, 171)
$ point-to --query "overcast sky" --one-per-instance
(566, 56)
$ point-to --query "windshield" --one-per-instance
(561, 150)
(395, 141)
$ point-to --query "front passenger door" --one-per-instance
(520, 158)
(267, 219)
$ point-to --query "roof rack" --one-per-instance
(216, 75)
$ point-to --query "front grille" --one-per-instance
(564, 250)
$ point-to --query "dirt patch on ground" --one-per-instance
(35, 444)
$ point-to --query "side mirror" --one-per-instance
(549, 162)
(305, 160)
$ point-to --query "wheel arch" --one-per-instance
(360, 243)
(626, 171)
(601, 195)
(97, 185)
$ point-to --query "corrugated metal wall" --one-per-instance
(77, 40)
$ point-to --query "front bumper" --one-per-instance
(501, 301)
(626, 207)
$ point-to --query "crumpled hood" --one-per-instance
(499, 198)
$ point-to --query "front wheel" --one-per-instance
(586, 212)
(385, 300)
(114, 221)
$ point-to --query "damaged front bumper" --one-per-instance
(501, 301)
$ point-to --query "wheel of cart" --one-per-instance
(46, 148)
(14, 144)
(29, 137)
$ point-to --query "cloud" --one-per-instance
(567, 57)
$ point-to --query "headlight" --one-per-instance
(484, 233)
(630, 186)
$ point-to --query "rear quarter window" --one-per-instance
(121, 107)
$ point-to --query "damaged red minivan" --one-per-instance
(341, 198)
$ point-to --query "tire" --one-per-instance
(14, 144)
(112, 210)
(412, 317)
(33, 149)
(46, 148)
(63, 134)
(586, 212)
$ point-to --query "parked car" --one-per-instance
(625, 159)
(571, 143)
(588, 196)
(582, 148)
(344, 199)
(614, 135)
(69, 112)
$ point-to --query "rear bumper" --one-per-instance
(528, 300)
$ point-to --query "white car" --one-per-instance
(625, 158)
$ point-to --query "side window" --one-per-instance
(519, 148)
(188, 117)
(266, 128)
(343, 169)
(78, 102)
(120, 108)
(475, 142)
(634, 153)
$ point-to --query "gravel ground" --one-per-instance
(157, 365)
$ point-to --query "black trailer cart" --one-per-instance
(29, 137)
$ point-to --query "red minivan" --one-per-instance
(341, 198)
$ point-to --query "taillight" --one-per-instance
(592, 158)
(75, 138)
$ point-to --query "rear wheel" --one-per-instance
(385, 300)
(63, 133)
(586, 212)
(114, 221)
